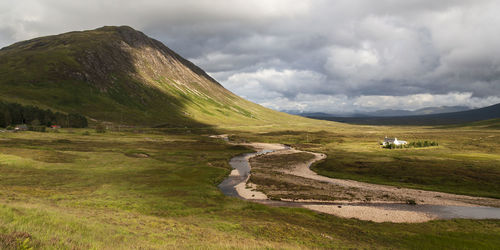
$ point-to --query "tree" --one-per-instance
(60, 119)
(100, 128)
(16, 115)
(35, 123)
(48, 117)
(77, 121)
(3, 123)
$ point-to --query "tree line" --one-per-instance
(12, 114)
(417, 144)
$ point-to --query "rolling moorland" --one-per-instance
(144, 187)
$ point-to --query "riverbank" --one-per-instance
(377, 209)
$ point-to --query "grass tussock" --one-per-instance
(67, 190)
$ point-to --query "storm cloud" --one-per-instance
(330, 56)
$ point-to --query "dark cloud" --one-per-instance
(314, 55)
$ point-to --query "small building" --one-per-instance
(395, 141)
(22, 127)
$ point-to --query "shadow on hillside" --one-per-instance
(90, 73)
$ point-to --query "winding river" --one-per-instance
(362, 210)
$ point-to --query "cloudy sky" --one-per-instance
(307, 55)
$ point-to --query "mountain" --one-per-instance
(383, 112)
(422, 111)
(121, 75)
(440, 110)
(473, 115)
(322, 114)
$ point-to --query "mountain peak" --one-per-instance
(127, 34)
(122, 28)
(113, 71)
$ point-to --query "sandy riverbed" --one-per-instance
(351, 208)
(403, 194)
(375, 214)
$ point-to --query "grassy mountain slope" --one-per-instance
(119, 74)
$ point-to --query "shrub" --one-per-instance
(411, 202)
(35, 123)
(77, 121)
(99, 128)
(417, 144)
(36, 128)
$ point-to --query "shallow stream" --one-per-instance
(240, 163)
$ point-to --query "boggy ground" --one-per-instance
(157, 189)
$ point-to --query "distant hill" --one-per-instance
(422, 111)
(384, 112)
(487, 124)
(119, 74)
(473, 115)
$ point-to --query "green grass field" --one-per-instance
(467, 160)
(158, 189)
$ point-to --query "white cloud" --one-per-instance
(312, 53)
(347, 62)
(412, 102)
(266, 83)
(339, 104)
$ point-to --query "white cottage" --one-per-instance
(394, 141)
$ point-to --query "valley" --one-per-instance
(148, 164)
(157, 188)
